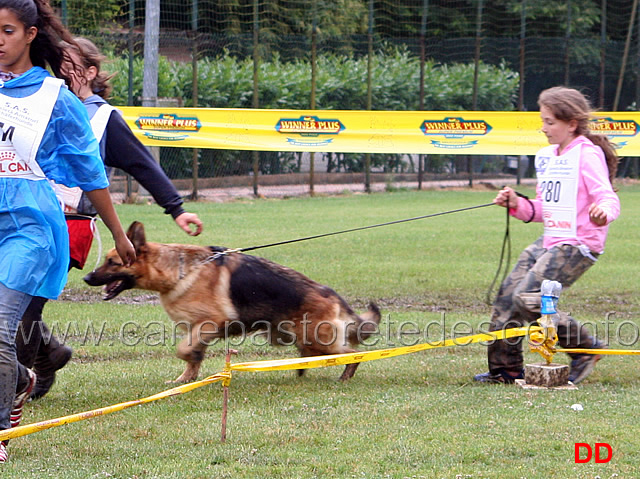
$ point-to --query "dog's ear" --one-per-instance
(135, 233)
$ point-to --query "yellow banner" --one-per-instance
(351, 131)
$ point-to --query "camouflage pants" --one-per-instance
(518, 301)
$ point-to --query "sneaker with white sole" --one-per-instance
(21, 399)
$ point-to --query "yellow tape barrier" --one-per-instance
(359, 357)
(623, 352)
(353, 131)
(41, 426)
(293, 363)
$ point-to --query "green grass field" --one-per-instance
(414, 416)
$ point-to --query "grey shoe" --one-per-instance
(582, 365)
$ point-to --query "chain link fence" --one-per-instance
(361, 54)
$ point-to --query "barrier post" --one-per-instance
(225, 392)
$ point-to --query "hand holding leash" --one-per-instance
(506, 198)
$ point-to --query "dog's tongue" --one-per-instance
(110, 290)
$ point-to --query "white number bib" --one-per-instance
(23, 122)
(558, 184)
(71, 196)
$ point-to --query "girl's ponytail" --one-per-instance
(609, 153)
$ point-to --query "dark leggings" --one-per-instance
(33, 337)
(28, 339)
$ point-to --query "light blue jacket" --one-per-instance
(34, 242)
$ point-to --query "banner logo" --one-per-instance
(455, 130)
(165, 127)
(610, 127)
(308, 126)
(614, 129)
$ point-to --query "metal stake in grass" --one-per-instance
(225, 389)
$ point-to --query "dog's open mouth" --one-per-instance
(112, 285)
(113, 289)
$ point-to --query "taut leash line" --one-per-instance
(351, 230)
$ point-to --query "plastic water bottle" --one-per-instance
(550, 293)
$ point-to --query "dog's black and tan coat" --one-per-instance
(236, 294)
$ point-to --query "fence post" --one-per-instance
(523, 37)
(603, 44)
(132, 24)
(150, 73)
(636, 97)
(151, 45)
(314, 74)
(64, 13)
(423, 39)
(625, 54)
(567, 40)
(194, 68)
(256, 98)
(474, 100)
(367, 156)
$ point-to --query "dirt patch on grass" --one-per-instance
(626, 304)
(95, 296)
(433, 303)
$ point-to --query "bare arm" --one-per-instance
(101, 200)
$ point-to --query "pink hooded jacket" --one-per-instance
(593, 187)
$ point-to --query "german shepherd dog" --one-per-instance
(211, 293)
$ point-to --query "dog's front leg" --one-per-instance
(193, 347)
(190, 373)
(349, 371)
(193, 356)
(191, 351)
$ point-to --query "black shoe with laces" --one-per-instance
(500, 377)
(46, 367)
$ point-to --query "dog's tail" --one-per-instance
(367, 324)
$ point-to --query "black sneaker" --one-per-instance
(501, 377)
(46, 367)
(582, 365)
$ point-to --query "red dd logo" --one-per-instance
(589, 452)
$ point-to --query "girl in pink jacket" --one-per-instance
(575, 201)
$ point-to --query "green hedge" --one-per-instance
(227, 82)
